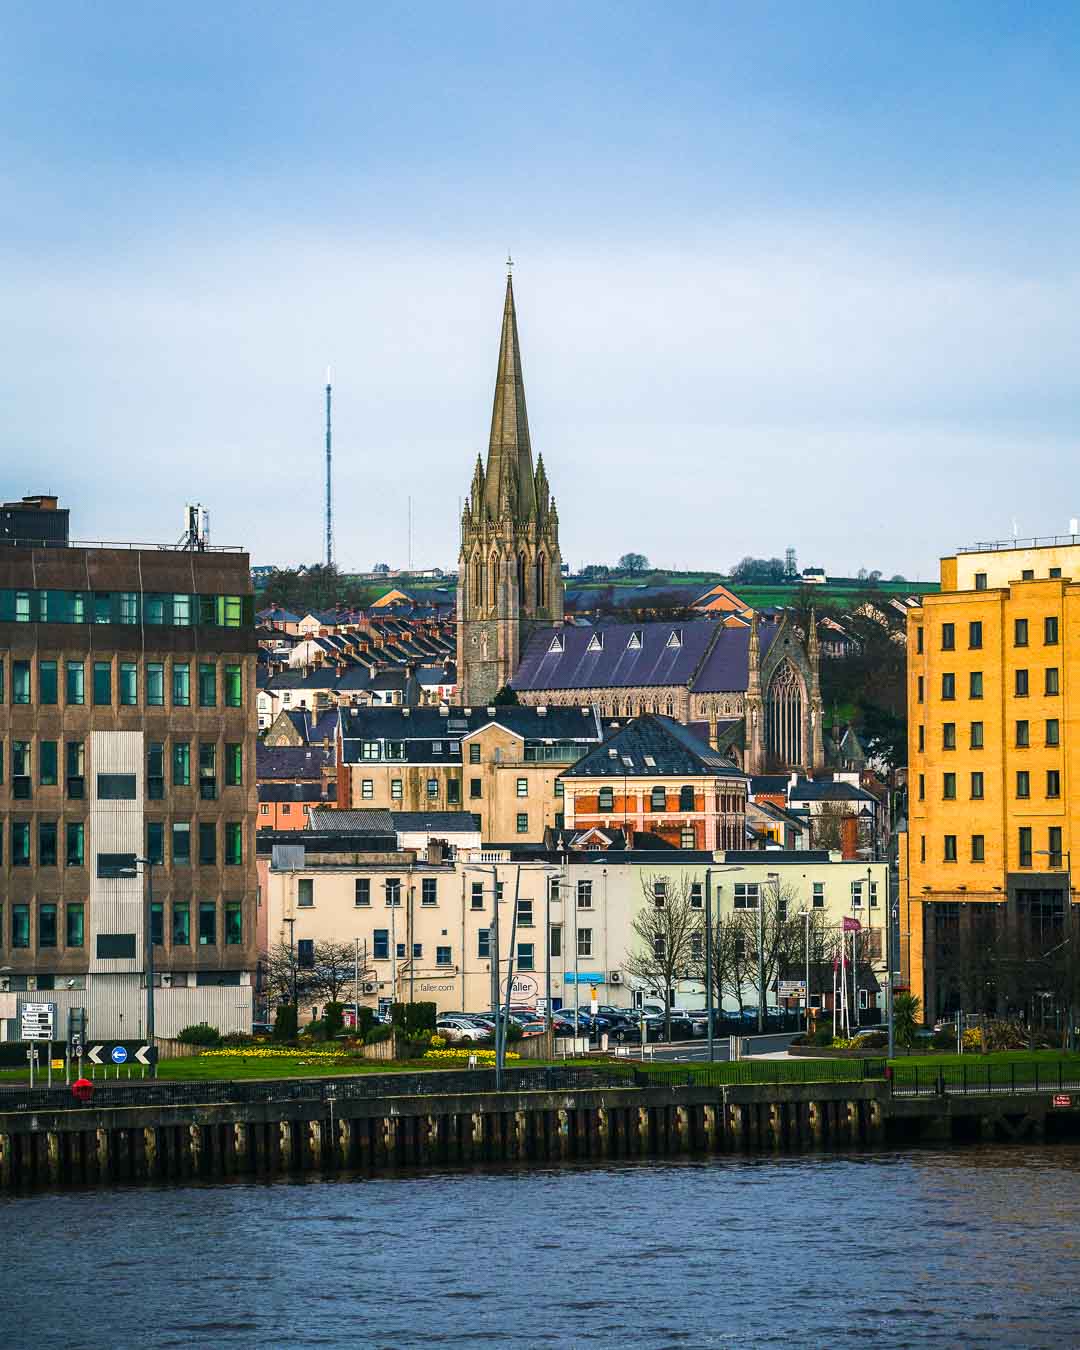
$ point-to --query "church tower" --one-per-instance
(509, 567)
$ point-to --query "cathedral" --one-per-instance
(752, 690)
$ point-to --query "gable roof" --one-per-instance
(362, 820)
(452, 822)
(291, 761)
(654, 746)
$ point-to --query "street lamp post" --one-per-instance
(149, 865)
(806, 991)
(709, 961)
(292, 968)
(1065, 856)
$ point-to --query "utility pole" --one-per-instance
(709, 961)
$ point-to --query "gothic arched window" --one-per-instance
(541, 580)
(493, 568)
(478, 583)
(783, 716)
(521, 580)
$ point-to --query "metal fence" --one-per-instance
(765, 1072)
(985, 1080)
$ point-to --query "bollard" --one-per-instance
(150, 1151)
(103, 1154)
(563, 1133)
(52, 1154)
(285, 1146)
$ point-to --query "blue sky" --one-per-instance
(787, 274)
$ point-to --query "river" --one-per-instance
(974, 1247)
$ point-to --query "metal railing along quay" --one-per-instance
(984, 1080)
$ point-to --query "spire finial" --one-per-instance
(509, 264)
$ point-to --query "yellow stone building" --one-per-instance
(992, 709)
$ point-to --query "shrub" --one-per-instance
(238, 1038)
(822, 1037)
(415, 1019)
(366, 1020)
(513, 1033)
(334, 1020)
(200, 1034)
(973, 1039)
(876, 1040)
(1002, 1035)
(945, 1039)
(906, 1013)
(285, 1022)
(438, 1042)
(378, 1033)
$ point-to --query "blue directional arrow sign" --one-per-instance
(119, 1054)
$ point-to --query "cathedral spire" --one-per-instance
(509, 443)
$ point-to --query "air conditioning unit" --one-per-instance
(371, 987)
(615, 977)
(166, 979)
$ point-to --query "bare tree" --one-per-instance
(826, 827)
(286, 978)
(334, 970)
(668, 928)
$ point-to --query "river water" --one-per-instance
(974, 1247)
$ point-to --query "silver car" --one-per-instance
(458, 1030)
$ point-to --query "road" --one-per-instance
(686, 1051)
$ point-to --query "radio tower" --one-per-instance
(329, 487)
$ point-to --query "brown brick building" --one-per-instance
(127, 730)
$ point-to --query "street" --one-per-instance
(685, 1051)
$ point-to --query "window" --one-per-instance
(584, 942)
(949, 787)
(746, 894)
(818, 889)
(395, 790)
(525, 913)
(584, 895)
(948, 637)
(659, 946)
(20, 925)
(116, 787)
(380, 945)
(443, 956)
(976, 735)
(234, 846)
(305, 892)
(234, 764)
(483, 944)
(157, 923)
(207, 843)
(1053, 846)
(978, 848)
(20, 769)
(155, 770)
(102, 684)
(522, 787)
(975, 684)
(1053, 731)
(48, 685)
(20, 681)
(975, 635)
(1054, 572)
(948, 686)
(1023, 783)
(234, 687)
(46, 843)
(474, 754)
(75, 843)
(921, 686)
(429, 891)
(658, 799)
(207, 684)
(207, 771)
(1053, 783)
(1052, 685)
(1025, 845)
(980, 581)
(181, 843)
(478, 895)
(129, 684)
(453, 791)
(432, 787)
(606, 799)
(1050, 631)
(474, 788)
(525, 956)
(234, 923)
(207, 923)
(74, 928)
(976, 786)
(47, 763)
(392, 891)
(687, 838)
(556, 940)
(181, 763)
(919, 639)
(522, 822)
(686, 799)
(922, 739)
(181, 684)
(369, 749)
(950, 848)
(697, 895)
(1022, 734)
(856, 895)
(922, 787)
(362, 892)
(155, 841)
(948, 736)
(181, 924)
(74, 682)
(1021, 687)
(1020, 632)
(155, 684)
(922, 847)
(367, 789)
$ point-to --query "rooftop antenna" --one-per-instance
(410, 534)
(329, 487)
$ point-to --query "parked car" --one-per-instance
(533, 1028)
(261, 1029)
(458, 1030)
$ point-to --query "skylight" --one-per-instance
(596, 643)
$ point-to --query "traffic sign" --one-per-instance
(118, 1054)
(37, 1022)
(1061, 1099)
(75, 1046)
(101, 1052)
(146, 1054)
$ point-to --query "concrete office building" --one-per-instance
(127, 730)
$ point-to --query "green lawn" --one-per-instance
(948, 1061)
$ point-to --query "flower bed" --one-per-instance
(463, 1056)
(256, 1052)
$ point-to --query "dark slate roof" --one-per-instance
(453, 822)
(806, 790)
(430, 724)
(290, 792)
(355, 677)
(325, 841)
(673, 748)
(779, 855)
(291, 761)
(708, 657)
(278, 615)
(362, 820)
(769, 782)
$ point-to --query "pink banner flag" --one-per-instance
(852, 926)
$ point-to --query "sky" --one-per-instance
(788, 274)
